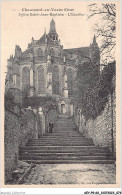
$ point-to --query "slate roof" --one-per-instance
(48, 40)
(58, 60)
(29, 50)
(77, 51)
(71, 61)
(40, 41)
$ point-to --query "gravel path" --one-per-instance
(72, 174)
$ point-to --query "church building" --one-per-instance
(47, 69)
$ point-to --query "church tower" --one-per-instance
(95, 53)
(52, 32)
(95, 58)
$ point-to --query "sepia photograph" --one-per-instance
(60, 87)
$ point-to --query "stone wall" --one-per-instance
(20, 126)
(38, 126)
(100, 129)
(27, 126)
(11, 135)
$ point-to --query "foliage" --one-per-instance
(95, 99)
(25, 93)
(47, 103)
(10, 100)
(9, 97)
(105, 28)
(86, 78)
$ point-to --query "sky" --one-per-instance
(73, 31)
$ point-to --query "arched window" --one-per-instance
(55, 80)
(70, 82)
(39, 52)
(40, 76)
(25, 77)
(52, 52)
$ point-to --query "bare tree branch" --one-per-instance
(105, 29)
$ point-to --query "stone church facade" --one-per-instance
(48, 69)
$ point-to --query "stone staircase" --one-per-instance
(64, 145)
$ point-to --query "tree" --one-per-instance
(25, 94)
(95, 98)
(86, 78)
(47, 103)
(105, 28)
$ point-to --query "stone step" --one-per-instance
(61, 136)
(38, 156)
(64, 145)
(71, 128)
(59, 128)
(60, 141)
(70, 161)
(43, 153)
(60, 144)
(64, 157)
(80, 139)
(79, 152)
(66, 126)
(63, 148)
(75, 151)
(70, 122)
(59, 122)
(65, 123)
(64, 134)
(64, 130)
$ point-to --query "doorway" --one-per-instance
(63, 110)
